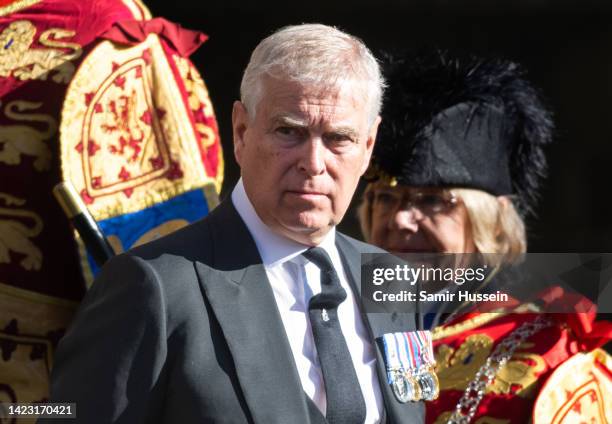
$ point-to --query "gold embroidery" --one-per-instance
(195, 87)
(456, 368)
(208, 135)
(483, 318)
(86, 159)
(31, 322)
(17, 5)
(123, 145)
(19, 140)
(443, 419)
(15, 236)
(523, 370)
(579, 390)
(20, 60)
(446, 331)
(199, 99)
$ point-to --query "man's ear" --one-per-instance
(240, 122)
(370, 144)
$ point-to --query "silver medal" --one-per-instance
(428, 384)
(404, 387)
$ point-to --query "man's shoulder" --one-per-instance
(159, 271)
(166, 261)
(194, 241)
(182, 242)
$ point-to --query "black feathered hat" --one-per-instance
(468, 122)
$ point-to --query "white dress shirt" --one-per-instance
(294, 281)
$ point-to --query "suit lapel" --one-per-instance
(240, 295)
(379, 324)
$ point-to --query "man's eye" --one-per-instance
(287, 131)
(338, 138)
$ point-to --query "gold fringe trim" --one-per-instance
(18, 5)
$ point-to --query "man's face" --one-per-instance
(413, 219)
(302, 154)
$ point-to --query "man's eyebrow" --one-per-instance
(296, 122)
(344, 131)
(289, 120)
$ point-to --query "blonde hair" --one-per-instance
(495, 223)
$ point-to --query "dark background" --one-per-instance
(565, 45)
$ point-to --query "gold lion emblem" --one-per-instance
(456, 368)
(15, 236)
(20, 60)
(19, 140)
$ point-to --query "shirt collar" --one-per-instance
(273, 248)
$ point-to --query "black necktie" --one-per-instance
(345, 404)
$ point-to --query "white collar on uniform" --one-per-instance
(273, 248)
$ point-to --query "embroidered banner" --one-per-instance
(139, 139)
(154, 147)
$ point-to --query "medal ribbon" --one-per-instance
(407, 351)
(392, 356)
(425, 343)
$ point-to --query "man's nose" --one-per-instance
(312, 157)
(406, 219)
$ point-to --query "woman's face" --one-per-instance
(420, 219)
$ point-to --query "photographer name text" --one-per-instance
(424, 296)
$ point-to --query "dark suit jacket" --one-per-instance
(186, 330)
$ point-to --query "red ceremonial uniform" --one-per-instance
(520, 391)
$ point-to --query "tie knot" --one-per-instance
(332, 292)
(320, 258)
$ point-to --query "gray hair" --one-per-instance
(313, 54)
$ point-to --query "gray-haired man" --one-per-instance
(232, 319)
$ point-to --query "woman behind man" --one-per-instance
(456, 169)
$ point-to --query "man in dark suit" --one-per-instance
(253, 314)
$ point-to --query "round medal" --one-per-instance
(428, 384)
(405, 388)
